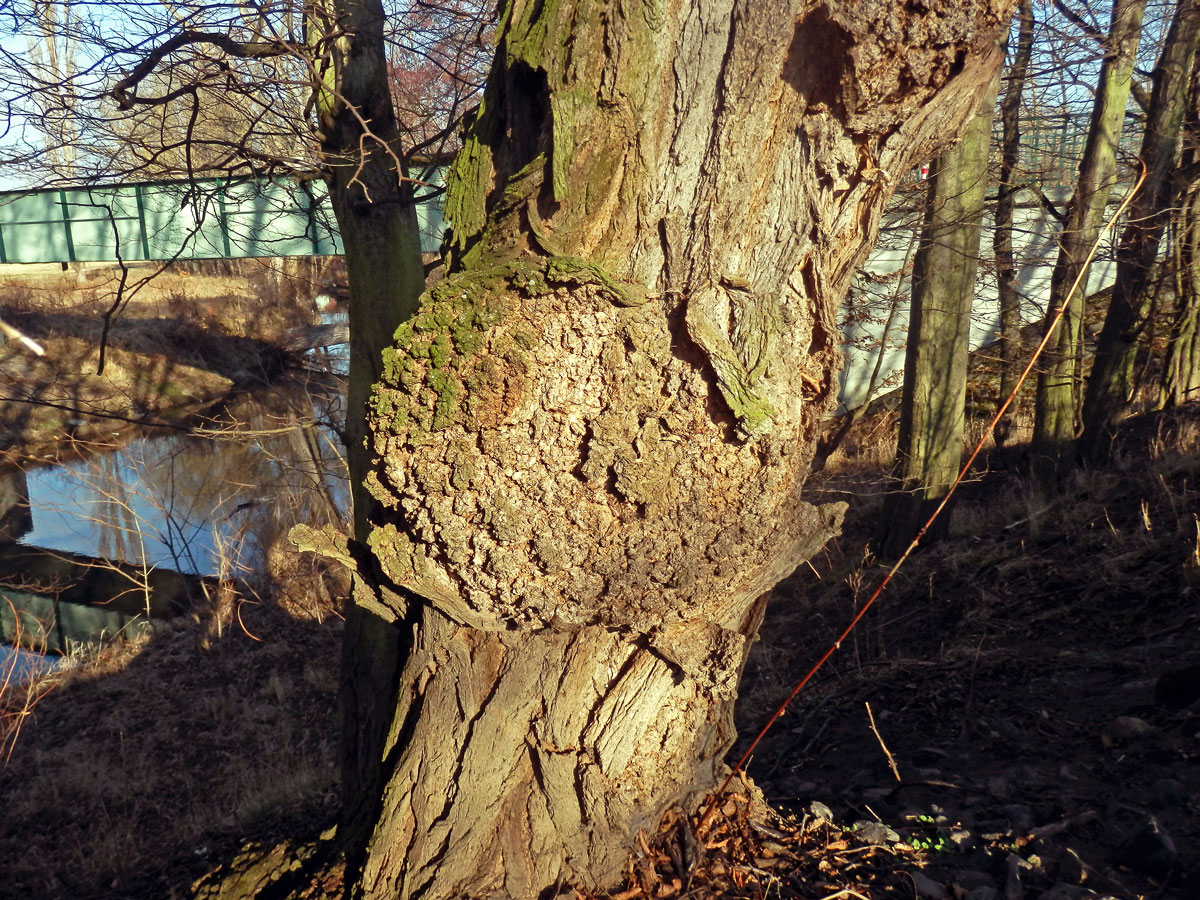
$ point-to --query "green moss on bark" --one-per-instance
(447, 364)
(468, 181)
(536, 37)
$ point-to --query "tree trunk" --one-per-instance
(1181, 368)
(1011, 319)
(827, 445)
(377, 220)
(933, 401)
(591, 439)
(1054, 426)
(1111, 382)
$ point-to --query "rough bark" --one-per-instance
(1002, 236)
(590, 440)
(1111, 382)
(1181, 372)
(933, 399)
(1058, 386)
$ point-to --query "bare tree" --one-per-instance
(215, 88)
(1011, 319)
(932, 405)
(1058, 386)
(1111, 384)
(1180, 380)
(591, 437)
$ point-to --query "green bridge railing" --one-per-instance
(161, 220)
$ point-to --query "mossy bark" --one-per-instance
(590, 441)
(933, 400)
(1059, 386)
(1181, 367)
(1111, 384)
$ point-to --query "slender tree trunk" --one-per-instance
(589, 442)
(1054, 426)
(1181, 368)
(827, 445)
(1111, 382)
(1002, 237)
(377, 220)
(932, 405)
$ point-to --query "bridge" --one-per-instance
(53, 599)
(211, 218)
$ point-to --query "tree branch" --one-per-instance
(243, 50)
(1079, 21)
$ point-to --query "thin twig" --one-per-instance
(844, 892)
(886, 752)
(14, 334)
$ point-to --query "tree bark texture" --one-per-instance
(371, 199)
(933, 400)
(377, 220)
(590, 441)
(1011, 319)
(1058, 386)
(1181, 367)
(1110, 384)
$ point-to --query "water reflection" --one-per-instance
(212, 501)
(207, 503)
(15, 518)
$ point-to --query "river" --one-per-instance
(209, 499)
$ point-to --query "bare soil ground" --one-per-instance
(134, 772)
(1035, 679)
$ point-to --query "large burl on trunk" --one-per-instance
(591, 440)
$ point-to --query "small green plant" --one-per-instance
(935, 843)
(932, 838)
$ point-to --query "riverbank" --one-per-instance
(125, 350)
(1013, 674)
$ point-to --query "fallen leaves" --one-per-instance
(744, 849)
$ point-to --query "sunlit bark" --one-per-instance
(590, 440)
(933, 401)
(1059, 384)
(1002, 236)
(1111, 382)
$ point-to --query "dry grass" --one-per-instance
(20, 690)
(152, 762)
(157, 755)
(180, 343)
(1008, 647)
(236, 297)
(140, 768)
(1012, 539)
(133, 771)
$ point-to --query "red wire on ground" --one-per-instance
(1059, 313)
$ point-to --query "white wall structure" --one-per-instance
(864, 317)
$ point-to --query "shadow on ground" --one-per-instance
(1011, 672)
(143, 768)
